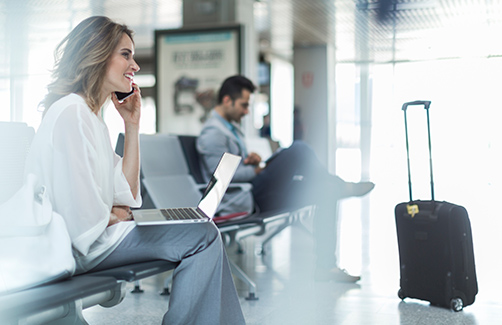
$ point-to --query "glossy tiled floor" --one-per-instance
(368, 246)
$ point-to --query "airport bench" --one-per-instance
(62, 302)
(171, 177)
(59, 302)
(278, 219)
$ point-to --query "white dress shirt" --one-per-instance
(72, 156)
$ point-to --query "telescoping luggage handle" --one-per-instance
(426, 104)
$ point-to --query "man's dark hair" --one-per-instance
(233, 86)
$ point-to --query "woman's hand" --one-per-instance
(130, 108)
(119, 214)
(130, 111)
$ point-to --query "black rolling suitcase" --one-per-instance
(435, 245)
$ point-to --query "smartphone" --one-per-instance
(122, 96)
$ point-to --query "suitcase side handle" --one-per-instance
(426, 104)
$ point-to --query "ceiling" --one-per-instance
(385, 30)
(360, 30)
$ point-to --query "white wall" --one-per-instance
(314, 94)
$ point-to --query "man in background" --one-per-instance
(292, 178)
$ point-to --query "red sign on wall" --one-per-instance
(307, 79)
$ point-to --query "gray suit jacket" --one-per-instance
(214, 140)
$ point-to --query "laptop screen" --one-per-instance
(218, 184)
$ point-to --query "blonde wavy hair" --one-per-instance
(81, 59)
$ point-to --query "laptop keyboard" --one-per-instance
(180, 214)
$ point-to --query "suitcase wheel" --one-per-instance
(400, 294)
(456, 304)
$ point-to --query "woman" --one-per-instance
(92, 188)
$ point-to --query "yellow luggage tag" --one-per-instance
(412, 209)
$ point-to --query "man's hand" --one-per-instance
(252, 159)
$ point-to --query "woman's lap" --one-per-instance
(161, 242)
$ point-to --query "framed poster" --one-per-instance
(190, 66)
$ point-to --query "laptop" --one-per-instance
(206, 209)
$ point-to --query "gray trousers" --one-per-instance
(203, 291)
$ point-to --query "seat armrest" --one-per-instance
(40, 299)
(137, 271)
(242, 186)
